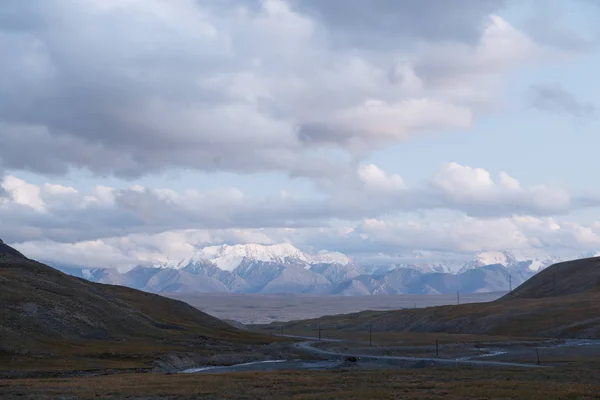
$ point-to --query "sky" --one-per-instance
(136, 131)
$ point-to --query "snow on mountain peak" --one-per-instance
(228, 257)
(494, 257)
(334, 257)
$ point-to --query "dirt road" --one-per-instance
(338, 359)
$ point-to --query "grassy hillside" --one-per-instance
(562, 301)
(562, 279)
(53, 319)
(425, 383)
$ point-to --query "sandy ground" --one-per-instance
(265, 308)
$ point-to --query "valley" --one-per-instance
(267, 308)
(68, 337)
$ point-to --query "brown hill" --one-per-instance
(562, 279)
(50, 318)
(8, 252)
(561, 302)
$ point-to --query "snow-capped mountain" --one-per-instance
(228, 258)
(282, 268)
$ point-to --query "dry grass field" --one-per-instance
(432, 383)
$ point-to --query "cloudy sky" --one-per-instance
(138, 130)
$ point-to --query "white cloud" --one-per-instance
(456, 234)
(64, 214)
(23, 193)
(464, 186)
(377, 180)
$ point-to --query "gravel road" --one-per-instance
(339, 359)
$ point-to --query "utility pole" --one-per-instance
(370, 335)
(457, 297)
(537, 352)
(319, 328)
(509, 283)
(415, 305)
(437, 348)
(281, 329)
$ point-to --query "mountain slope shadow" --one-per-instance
(47, 315)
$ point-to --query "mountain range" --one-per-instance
(282, 268)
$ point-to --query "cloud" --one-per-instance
(135, 249)
(474, 191)
(23, 193)
(453, 236)
(137, 87)
(555, 99)
(467, 234)
(64, 214)
(391, 22)
(304, 87)
(573, 24)
(374, 179)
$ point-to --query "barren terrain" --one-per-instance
(514, 347)
(267, 308)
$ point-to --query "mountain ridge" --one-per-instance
(256, 268)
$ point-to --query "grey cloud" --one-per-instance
(391, 23)
(3, 192)
(554, 98)
(132, 91)
(551, 24)
(559, 36)
(89, 91)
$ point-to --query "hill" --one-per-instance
(562, 279)
(50, 319)
(561, 302)
(8, 252)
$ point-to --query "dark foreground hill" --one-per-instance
(562, 301)
(50, 318)
(8, 252)
(562, 279)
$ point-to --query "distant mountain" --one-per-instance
(282, 268)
